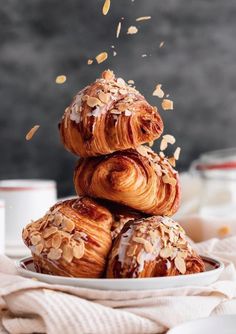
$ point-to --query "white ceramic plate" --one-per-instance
(225, 324)
(213, 270)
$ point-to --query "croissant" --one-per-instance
(108, 116)
(72, 239)
(151, 247)
(139, 179)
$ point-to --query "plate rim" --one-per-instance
(147, 279)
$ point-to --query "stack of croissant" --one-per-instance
(119, 226)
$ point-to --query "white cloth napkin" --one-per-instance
(28, 306)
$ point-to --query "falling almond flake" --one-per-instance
(177, 153)
(106, 7)
(90, 61)
(169, 138)
(132, 30)
(60, 79)
(101, 57)
(130, 82)
(161, 44)
(158, 91)
(167, 104)
(118, 30)
(144, 55)
(114, 53)
(31, 132)
(143, 18)
(163, 145)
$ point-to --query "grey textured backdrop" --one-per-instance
(43, 38)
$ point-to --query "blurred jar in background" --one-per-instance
(214, 214)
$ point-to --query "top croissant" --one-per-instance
(107, 116)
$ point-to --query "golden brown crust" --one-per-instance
(151, 247)
(137, 178)
(72, 239)
(108, 116)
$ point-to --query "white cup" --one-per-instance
(25, 200)
(2, 227)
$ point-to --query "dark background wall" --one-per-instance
(41, 39)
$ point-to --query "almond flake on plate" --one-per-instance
(169, 138)
(31, 132)
(177, 153)
(224, 230)
(60, 79)
(101, 57)
(90, 61)
(118, 30)
(132, 30)
(167, 104)
(143, 18)
(158, 91)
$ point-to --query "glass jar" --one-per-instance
(216, 216)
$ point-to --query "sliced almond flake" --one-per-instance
(128, 112)
(78, 250)
(35, 239)
(54, 254)
(163, 145)
(224, 230)
(106, 7)
(122, 107)
(132, 30)
(183, 254)
(104, 97)
(170, 139)
(139, 240)
(90, 61)
(148, 247)
(123, 91)
(167, 104)
(67, 253)
(143, 18)
(172, 161)
(118, 30)
(93, 101)
(144, 55)
(38, 249)
(49, 231)
(48, 243)
(151, 143)
(169, 180)
(177, 153)
(115, 111)
(31, 132)
(166, 252)
(130, 82)
(68, 225)
(180, 265)
(101, 57)
(56, 241)
(58, 218)
(161, 44)
(60, 79)
(108, 75)
(120, 82)
(158, 91)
